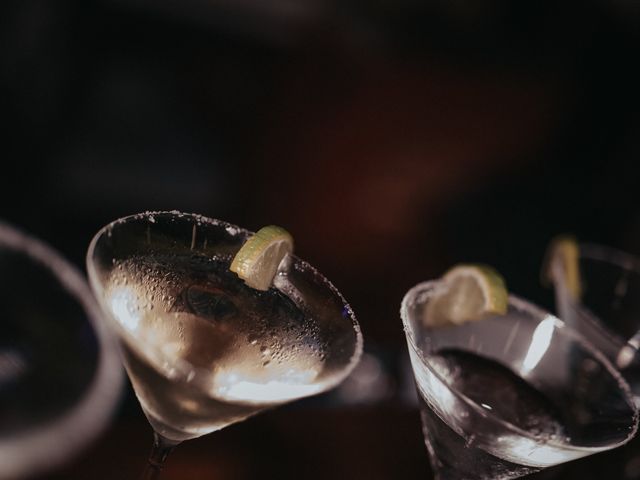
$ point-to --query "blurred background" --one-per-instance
(393, 138)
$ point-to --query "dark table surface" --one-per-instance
(311, 442)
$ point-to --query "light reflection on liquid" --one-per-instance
(232, 387)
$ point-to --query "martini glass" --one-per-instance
(501, 397)
(608, 310)
(202, 349)
(60, 376)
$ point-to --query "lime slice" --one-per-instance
(468, 292)
(562, 264)
(257, 261)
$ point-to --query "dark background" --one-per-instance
(392, 138)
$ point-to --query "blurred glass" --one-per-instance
(60, 377)
(608, 310)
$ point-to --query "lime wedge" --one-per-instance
(562, 264)
(468, 292)
(258, 259)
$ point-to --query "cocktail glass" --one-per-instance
(502, 397)
(202, 349)
(60, 376)
(608, 310)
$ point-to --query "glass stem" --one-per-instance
(160, 450)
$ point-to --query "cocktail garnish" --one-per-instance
(257, 261)
(469, 292)
(561, 262)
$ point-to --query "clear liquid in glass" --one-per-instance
(202, 349)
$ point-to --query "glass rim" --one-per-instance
(198, 375)
(558, 324)
(595, 322)
(612, 256)
(40, 448)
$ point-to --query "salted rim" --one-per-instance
(523, 305)
(43, 448)
(184, 368)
